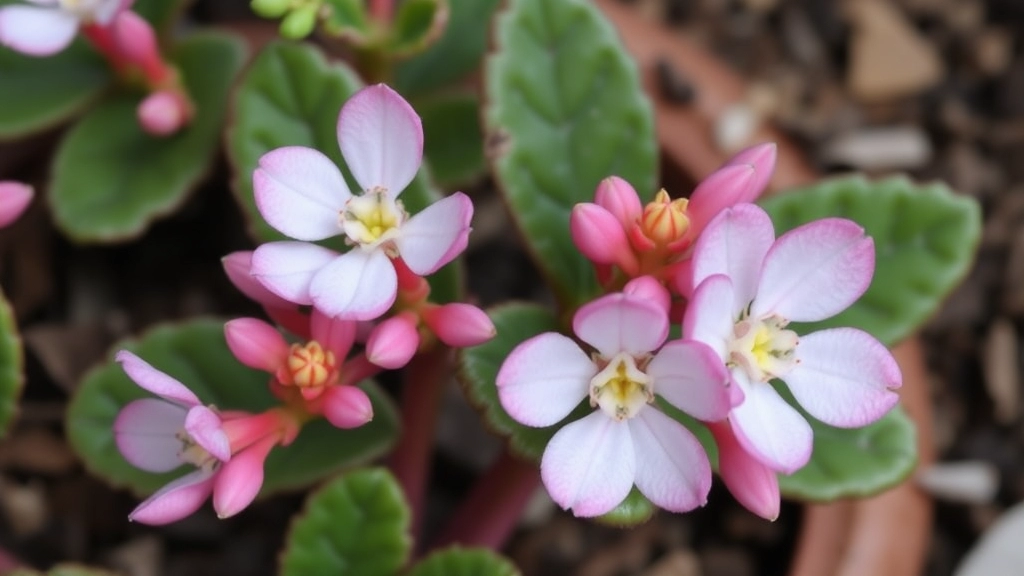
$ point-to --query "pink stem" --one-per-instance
(489, 514)
(382, 10)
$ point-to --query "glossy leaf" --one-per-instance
(39, 93)
(453, 142)
(417, 23)
(347, 19)
(563, 109)
(196, 354)
(12, 366)
(356, 525)
(456, 54)
(925, 240)
(464, 562)
(111, 180)
(291, 96)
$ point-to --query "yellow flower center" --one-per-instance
(368, 219)
(764, 348)
(310, 366)
(665, 220)
(621, 389)
(194, 454)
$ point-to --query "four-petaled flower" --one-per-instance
(749, 287)
(303, 194)
(590, 465)
(50, 25)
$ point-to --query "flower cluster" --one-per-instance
(713, 265)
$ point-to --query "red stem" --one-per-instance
(103, 41)
(489, 514)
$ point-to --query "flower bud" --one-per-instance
(600, 237)
(162, 113)
(14, 199)
(300, 22)
(664, 220)
(620, 199)
(762, 157)
(459, 325)
(727, 186)
(347, 407)
(136, 41)
(649, 289)
(256, 344)
(393, 342)
(753, 484)
(239, 480)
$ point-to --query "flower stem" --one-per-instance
(382, 10)
(424, 382)
(490, 512)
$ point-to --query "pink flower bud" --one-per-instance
(649, 289)
(14, 198)
(393, 342)
(347, 407)
(237, 266)
(620, 199)
(753, 484)
(601, 238)
(762, 157)
(256, 344)
(334, 334)
(239, 480)
(162, 113)
(459, 325)
(728, 186)
(137, 44)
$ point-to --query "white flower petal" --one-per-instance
(300, 192)
(426, 240)
(381, 138)
(691, 376)
(710, 316)
(543, 379)
(358, 285)
(621, 323)
(734, 244)
(145, 434)
(36, 31)
(150, 379)
(287, 268)
(770, 429)
(672, 469)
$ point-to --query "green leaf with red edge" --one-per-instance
(12, 366)
(111, 179)
(417, 23)
(355, 525)
(196, 354)
(456, 561)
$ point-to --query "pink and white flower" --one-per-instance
(46, 27)
(750, 286)
(300, 192)
(591, 464)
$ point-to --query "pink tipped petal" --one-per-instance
(393, 342)
(816, 271)
(287, 268)
(691, 376)
(601, 238)
(459, 325)
(735, 244)
(155, 381)
(762, 157)
(381, 138)
(176, 500)
(672, 469)
(620, 199)
(770, 429)
(589, 465)
(347, 407)
(845, 377)
(237, 266)
(204, 426)
(728, 186)
(543, 379)
(36, 31)
(425, 241)
(753, 484)
(649, 289)
(240, 480)
(710, 316)
(333, 334)
(621, 323)
(14, 199)
(256, 344)
(358, 285)
(145, 434)
(300, 192)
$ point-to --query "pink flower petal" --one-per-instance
(735, 244)
(358, 285)
(287, 268)
(176, 500)
(770, 429)
(256, 344)
(393, 342)
(845, 377)
(590, 465)
(620, 199)
(727, 186)
(239, 481)
(691, 376)
(300, 192)
(426, 239)
(816, 271)
(710, 315)
(36, 31)
(14, 199)
(762, 157)
(238, 266)
(381, 138)
(543, 379)
(600, 237)
(459, 325)
(621, 323)
(333, 334)
(672, 469)
(753, 484)
(347, 407)
(647, 288)
(204, 426)
(155, 381)
(145, 434)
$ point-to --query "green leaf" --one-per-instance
(347, 19)
(196, 354)
(457, 561)
(417, 24)
(855, 462)
(635, 509)
(563, 110)
(12, 366)
(456, 54)
(110, 179)
(162, 14)
(40, 93)
(453, 141)
(291, 96)
(357, 525)
(925, 240)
